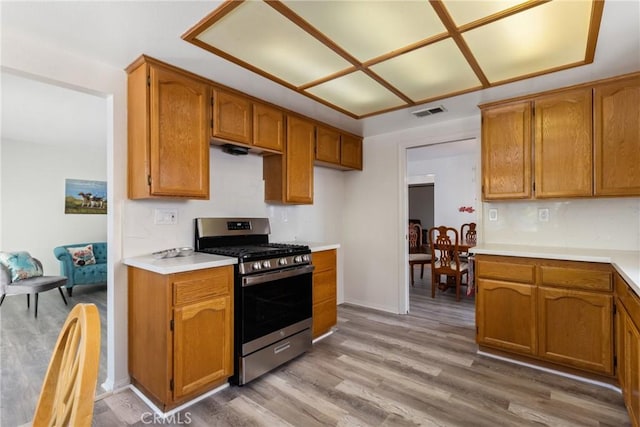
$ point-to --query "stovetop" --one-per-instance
(258, 251)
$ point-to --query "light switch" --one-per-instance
(493, 214)
(165, 216)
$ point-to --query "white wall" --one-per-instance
(612, 223)
(455, 185)
(32, 198)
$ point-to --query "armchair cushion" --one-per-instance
(21, 265)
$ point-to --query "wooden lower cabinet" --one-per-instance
(628, 347)
(575, 328)
(180, 333)
(555, 311)
(506, 316)
(325, 312)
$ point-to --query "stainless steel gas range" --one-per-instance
(273, 285)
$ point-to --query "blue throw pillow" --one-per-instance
(21, 265)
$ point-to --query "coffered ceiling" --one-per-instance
(364, 58)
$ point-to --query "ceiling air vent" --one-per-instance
(429, 111)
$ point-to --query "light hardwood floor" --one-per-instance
(381, 369)
(26, 345)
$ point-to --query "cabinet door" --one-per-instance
(617, 138)
(325, 311)
(576, 328)
(351, 152)
(179, 141)
(563, 145)
(299, 161)
(506, 316)
(506, 152)
(631, 385)
(268, 127)
(327, 145)
(232, 117)
(202, 345)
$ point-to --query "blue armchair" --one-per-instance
(79, 272)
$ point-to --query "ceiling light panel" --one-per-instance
(357, 93)
(257, 34)
(369, 29)
(464, 12)
(548, 36)
(436, 70)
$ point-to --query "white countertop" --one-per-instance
(627, 263)
(317, 246)
(196, 261)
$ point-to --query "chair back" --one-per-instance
(67, 394)
(415, 237)
(468, 232)
(444, 243)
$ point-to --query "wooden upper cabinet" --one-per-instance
(299, 161)
(268, 127)
(563, 145)
(289, 177)
(351, 152)
(617, 138)
(327, 145)
(168, 151)
(232, 117)
(506, 152)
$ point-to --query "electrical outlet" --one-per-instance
(493, 214)
(543, 214)
(165, 216)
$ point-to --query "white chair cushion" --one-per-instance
(463, 265)
(419, 257)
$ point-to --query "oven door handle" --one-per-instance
(276, 275)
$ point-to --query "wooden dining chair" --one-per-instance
(418, 252)
(69, 386)
(468, 233)
(444, 244)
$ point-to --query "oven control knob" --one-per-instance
(297, 259)
(282, 261)
(266, 264)
(256, 266)
(306, 258)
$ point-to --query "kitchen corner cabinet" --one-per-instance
(506, 152)
(180, 333)
(289, 177)
(617, 138)
(168, 137)
(325, 312)
(337, 150)
(628, 346)
(555, 311)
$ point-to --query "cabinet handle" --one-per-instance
(281, 348)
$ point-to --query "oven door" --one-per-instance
(274, 305)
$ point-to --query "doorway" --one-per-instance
(440, 179)
(50, 133)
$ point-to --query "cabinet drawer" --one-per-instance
(503, 268)
(197, 285)
(324, 260)
(629, 299)
(325, 315)
(324, 286)
(593, 278)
